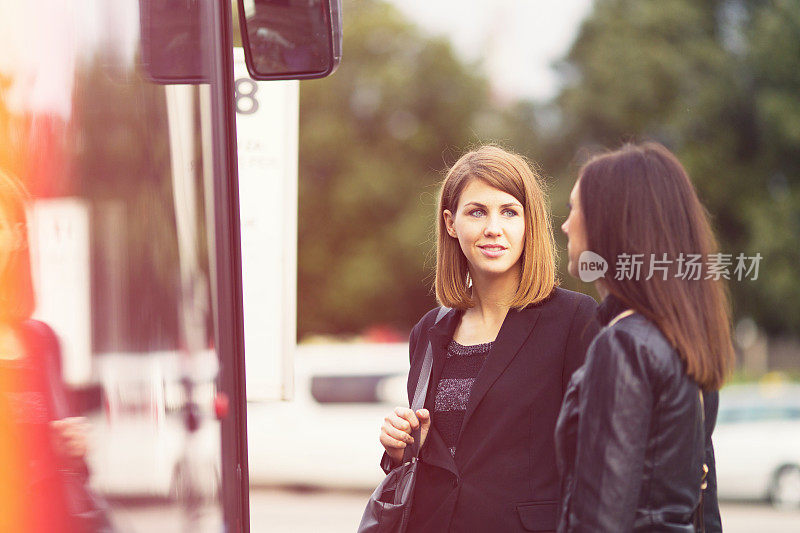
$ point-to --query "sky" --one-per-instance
(58, 47)
(516, 40)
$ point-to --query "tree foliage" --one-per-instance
(717, 82)
(374, 139)
(714, 80)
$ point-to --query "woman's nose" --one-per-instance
(493, 226)
(565, 226)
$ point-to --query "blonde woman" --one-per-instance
(502, 356)
(40, 445)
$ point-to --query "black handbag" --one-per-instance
(389, 507)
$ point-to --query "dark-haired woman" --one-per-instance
(634, 431)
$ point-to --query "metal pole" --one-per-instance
(229, 325)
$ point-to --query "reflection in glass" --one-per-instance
(119, 328)
(174, 40)
(42, 448)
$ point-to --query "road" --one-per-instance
(334, 512)
(292, 511)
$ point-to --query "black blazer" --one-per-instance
(503, 476)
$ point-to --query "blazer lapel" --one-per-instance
(516, 328)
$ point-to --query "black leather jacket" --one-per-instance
(631, 435)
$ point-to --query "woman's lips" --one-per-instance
(492, 250)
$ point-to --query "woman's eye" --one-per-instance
(510, 213)
(477, 213)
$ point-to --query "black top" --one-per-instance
(455, 384)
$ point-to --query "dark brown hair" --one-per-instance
(510, 173)
(639, 200)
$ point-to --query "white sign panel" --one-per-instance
(59, 237)
(267, 129)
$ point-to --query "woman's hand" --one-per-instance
(70, 437)
(397, 427)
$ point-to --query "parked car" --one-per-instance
(141, 429)
(757, 443)
(327, 436)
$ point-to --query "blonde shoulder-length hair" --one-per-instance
(16, 285)
(510, 173)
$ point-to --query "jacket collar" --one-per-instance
(610, 307)
(441, 332)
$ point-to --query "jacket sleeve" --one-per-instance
(386, 462)
(711, 516)
(616, 399)
(47, 352)
(582, 331)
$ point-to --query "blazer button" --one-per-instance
(455, 482)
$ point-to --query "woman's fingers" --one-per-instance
(70, 436)
(406, 418)
(397, 434)
(401, 424)
(425, 424)
(390, 442)
(397, 428)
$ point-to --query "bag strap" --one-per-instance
(422, 390)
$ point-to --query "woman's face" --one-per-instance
(490, 227)
(575, 230)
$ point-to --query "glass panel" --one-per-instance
(106, 247)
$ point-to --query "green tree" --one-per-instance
(715, 81)
(374, 139)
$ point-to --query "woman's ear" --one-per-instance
(449, 223)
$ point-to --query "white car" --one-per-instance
(757, 443)
(139, 445)
(327, 436)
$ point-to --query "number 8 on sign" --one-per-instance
(246, 90)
